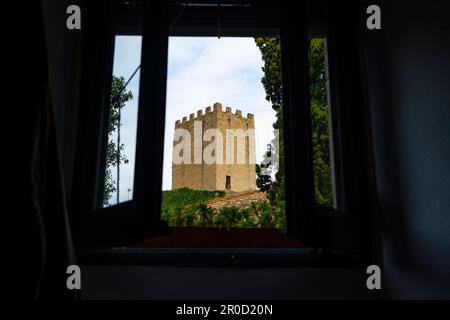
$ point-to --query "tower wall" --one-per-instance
(203, 176)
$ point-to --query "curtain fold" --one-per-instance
(42, 205)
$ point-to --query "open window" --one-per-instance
(126, 209)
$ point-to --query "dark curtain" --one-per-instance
(42, 205)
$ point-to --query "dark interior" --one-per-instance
(392, 119)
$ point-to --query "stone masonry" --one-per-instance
(235, 176)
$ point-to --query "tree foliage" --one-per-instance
(185, 207)
(114, 153)
(320, 123)
(270, 49)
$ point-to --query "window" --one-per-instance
(136, 215)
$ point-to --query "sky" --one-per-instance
(201, 71)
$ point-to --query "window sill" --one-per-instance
(200, 257)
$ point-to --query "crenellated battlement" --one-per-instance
(209, 160)
(217, 109)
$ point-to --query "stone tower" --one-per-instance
(233, 170)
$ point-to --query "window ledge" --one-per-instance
(201, 257)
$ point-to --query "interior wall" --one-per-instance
(408, 73)
(100, 282)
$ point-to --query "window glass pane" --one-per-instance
(120, 144)
(122, 125)
(324, 190)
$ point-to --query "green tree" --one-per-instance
(320, 124)
(263, 179)
(270, 49)
(114, 149)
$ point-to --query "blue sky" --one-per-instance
(201, 71)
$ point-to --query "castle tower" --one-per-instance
(206, 168)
